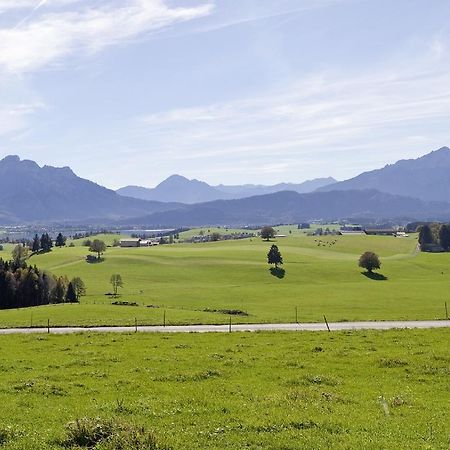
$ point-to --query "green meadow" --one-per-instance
(343, 390)
(200, 283)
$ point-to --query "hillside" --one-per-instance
(291, 207)
(426, 178)
(29, 193)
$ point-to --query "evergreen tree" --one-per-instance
(425, 235)
(58, 293)
(71, 295)
(444, 236)
(36, 244)
(274, 256)
(60, 240)
(46, 242)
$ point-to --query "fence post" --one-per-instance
(164, 319)
(135, 325)
(446, 311)
(326, 322)
(48, 326)
(296, 315)
(229, 327)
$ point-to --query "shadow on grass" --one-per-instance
(94, 260)
(277, 272)
(375, 276)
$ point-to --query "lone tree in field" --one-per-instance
(267, 233)
(369, 261)
(97, 246)
(116, 282)
(274, 256)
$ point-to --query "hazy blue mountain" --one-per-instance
(175, 189)
(426, 178)
(248, 190)
(180, 189)
(292, 207)
(29, 193)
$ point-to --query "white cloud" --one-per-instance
(55, 34)
(307, 123)
(13, 117)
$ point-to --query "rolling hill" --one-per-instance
(292, 207)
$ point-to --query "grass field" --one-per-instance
(348, 390)
(195, 283)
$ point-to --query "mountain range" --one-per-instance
(426, 178)
(292, 207)
(412, 189)
(29, 193)
(177, 188)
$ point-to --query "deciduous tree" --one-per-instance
(369, 261)
(116, 282)
(97, 246)
(267, 233)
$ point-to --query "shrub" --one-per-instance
(109, 434)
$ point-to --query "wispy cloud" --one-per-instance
(54, 34)
(304, 125)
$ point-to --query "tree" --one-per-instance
(274, 256)
(97, 246)
(71, 295)
(19, 255)
(58, 294)
(46, 242)
(36, 244)
(116, 282)
(79, 287)
(444, 236)
(425, 235)
(215, 236)
(369, 261)
(267, 233)
(60, 240)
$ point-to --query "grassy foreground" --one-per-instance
(348, 390)
(199, 283)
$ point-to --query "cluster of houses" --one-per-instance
(222, 237)
(357, 229)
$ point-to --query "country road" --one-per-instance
(336, 326)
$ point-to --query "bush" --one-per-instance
(108, 434)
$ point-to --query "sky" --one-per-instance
(225, 91)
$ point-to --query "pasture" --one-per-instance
(371, 390)
(200, 283)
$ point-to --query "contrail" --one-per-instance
(39, 5)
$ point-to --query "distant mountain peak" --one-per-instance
(426, 177)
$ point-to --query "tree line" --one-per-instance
(24, 286)
(434, 236)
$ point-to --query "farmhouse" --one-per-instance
(130, 242)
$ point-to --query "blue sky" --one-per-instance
(226, 91)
